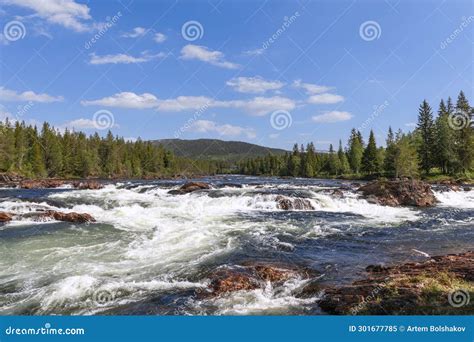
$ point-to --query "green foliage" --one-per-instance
(370, 162)
(72, 154)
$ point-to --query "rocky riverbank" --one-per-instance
(442, 285)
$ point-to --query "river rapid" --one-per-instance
(151, 253)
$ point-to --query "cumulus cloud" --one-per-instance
(256, 106)
(159, 37)
(256, 84)
(325, 98)
(202, 53)
(125, 100)
(14, 96)
(82, 124)
(331, 117)
(122, 58)
(310, 88)
(66, 13)
(206, 126)
(135, 33)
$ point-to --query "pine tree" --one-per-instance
(465, 136)
(370, 163)
(356, 150)
(390, 152)
(444, 139)
(406, 158)
(425, 128)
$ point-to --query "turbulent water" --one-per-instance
(149, 251)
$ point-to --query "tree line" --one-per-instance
(50, 153)
(441, 145)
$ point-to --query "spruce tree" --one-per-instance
(370, 162)
(425, 128)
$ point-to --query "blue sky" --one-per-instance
(266, 72)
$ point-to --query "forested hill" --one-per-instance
(214, 149)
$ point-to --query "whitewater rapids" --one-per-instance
(149, 251)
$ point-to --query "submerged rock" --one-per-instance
(5, 217)
(68, 217)
(399, 192)
(190, 187)
(287, 203)
(426, 288)
(88, 185)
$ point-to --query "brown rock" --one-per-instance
(404, 289)
(88, 185)
(190, 187)
(399, 192)
(68, 217)
(286, 203)
(41, 183)
(5, 217)
(233, 282)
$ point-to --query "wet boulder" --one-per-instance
(190, 187)
(5, 217)
(251, 276)
(287, 203)
(87, 185)
(41, 183)
(399, 192)
(67, 217)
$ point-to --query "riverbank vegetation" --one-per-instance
(437, 148)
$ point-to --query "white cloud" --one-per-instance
(159, 37)
(254, 84)
(206, 126)
(135, 33)
(66, 13)
(82, 123)
(333, 116)
(325, 98)
(263, 105)
(311, 89)
(255, 106)
(122, 58)
(125, 100)
(256, 52)
(12, 95)
(202, 53)
(181, 103)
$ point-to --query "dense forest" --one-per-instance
(48, 153)
(441, 145)
(444, 145)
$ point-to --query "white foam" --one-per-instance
(458, 199)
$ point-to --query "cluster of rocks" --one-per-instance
(42, 216)
(288, 203)
(399, 192)
(410, 288)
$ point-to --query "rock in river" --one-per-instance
(287, 203)
(68, 217)
(190, 187)
(399, 192)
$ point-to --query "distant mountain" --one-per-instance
(215, 149)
